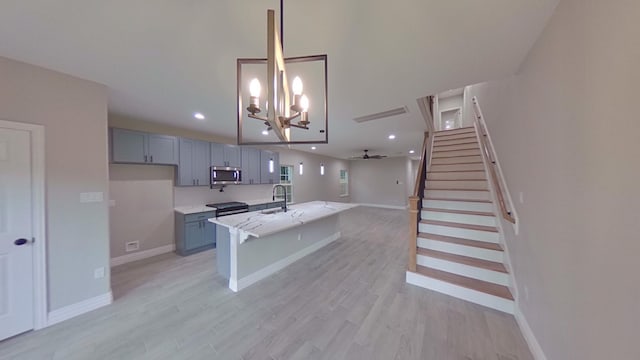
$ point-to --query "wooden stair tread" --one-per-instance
(460, 241)
(461, 200)
(447, 189)
(474, 141)
(448, 150)
(460, 225)
(454, 156)
(453, 171)
(463, 212)
(465, 260)
(451, 133)
(460, 136)
(469, 283)
(449, 130)
(460, 163)
(456, 179)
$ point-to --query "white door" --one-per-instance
(16, 231)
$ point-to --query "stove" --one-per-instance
(229, 208)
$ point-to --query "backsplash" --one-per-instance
(194, 195)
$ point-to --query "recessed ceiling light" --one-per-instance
(199, 116)
(411, 151)
(265, 132)
(391, 137)
(313, 148)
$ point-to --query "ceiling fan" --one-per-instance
(366, 156)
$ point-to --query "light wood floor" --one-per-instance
(348, 300)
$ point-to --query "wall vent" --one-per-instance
(382, 115)
(132, 246)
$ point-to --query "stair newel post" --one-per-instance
(414, 205)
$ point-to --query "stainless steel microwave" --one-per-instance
(225, 175)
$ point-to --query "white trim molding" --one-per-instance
(281, 264)
(529, 337)
(142, 255)
(40, 293)
(383, 206)
(79, 308)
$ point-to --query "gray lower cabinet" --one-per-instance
(194, 233)
(193, 167)
(269, 167)
(129, 146)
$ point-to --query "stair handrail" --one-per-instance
(488, 152)
(415, 201)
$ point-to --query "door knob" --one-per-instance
(21, 242)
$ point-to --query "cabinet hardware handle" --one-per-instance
(145, 158)
(151, 158)
(193, 181)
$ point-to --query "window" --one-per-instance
(286, 179)
(344, 183)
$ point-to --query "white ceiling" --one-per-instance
(163, 60)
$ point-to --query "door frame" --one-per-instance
(40, 294)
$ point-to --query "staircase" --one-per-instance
(458, 243)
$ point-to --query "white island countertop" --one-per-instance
(258, 224)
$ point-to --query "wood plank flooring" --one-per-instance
(348, 300)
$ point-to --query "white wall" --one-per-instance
(566, 132)
(379, 182)
(74, 114)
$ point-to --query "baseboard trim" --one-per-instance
(79, 308)
(142, 255)
(395, 207)
(279, 265)
(529, 337)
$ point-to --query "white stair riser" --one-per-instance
(453, 134)
(470, 251)
(457, 194)
(444, 142)
(460, 292)
(464, 130)
(470, 146)
(459, 175)
(457, 184)
(463, 233)
(464, 270)
(456, 160)
(458, 205)
(456, 167)
(468, 137)
(459, 218)
(449, 153)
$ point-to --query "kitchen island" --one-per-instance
(254, 245)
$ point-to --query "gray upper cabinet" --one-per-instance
(250, 166)
(269, 167)
(226, 155)
(128, 146)
(193, 168)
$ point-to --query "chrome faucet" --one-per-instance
(284, 190)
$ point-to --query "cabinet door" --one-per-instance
(275, 176)
(233, 156)
(250, 166)
(128, 146)
(217, 155)
(162, 149)
(194, 235)
(185, 164)
(201, 162)
(209, 233)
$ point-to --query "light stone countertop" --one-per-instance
(258, 224)
(193, 209)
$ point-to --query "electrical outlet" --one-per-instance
(132, 246)
(98, 273)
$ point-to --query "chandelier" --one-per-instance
(287, 105)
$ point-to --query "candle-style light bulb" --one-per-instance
(254, 88)
(304, 103)
(297, 86)
(254, 99)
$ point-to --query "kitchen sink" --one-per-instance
(272, 211)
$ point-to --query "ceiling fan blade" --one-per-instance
(377, 156)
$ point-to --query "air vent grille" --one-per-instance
(382, 115)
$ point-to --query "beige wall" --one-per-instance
(74, 114)
(566, 132)
(380, 182)
(145, 195)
